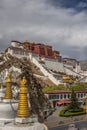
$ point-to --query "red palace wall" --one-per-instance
(41, 49)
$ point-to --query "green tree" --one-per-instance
(74, 105)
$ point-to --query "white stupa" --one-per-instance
(15, 114)
(8, 105)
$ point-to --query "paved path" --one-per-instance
(55, 119)
(82, 125)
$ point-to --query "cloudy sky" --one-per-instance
(60, 23)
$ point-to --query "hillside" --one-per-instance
(20, 68)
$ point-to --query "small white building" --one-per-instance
(18, 52)
(16, 44)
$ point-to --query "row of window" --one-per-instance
(20, 52)
(66, 96)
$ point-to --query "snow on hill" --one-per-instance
(19, 68)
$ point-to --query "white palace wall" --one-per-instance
(54, 65)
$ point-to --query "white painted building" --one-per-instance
(16, 44)
(64, 96)
(16, 49)
(18, 52)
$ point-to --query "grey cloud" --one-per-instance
(38, 21)
(82, 4)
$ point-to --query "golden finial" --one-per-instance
(8, 79)
(23, 81)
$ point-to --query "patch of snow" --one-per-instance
(15, 69)
(2, 62)
(5, 58)
(4, 73)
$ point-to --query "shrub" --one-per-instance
(54, 88)
(67, 113)
(76, 110)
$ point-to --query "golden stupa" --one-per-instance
(9, 119)
(8, 93)
(23, 108)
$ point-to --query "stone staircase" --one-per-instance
(45, 71)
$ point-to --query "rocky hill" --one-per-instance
(20, 68)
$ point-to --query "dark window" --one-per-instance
(81, 95)
(78, 95)
(64, 96)
(61, 96)
(68, 96)
(57, 96)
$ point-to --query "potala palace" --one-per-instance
(49, 61)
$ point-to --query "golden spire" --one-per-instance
(8, 93)
(23, 108)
